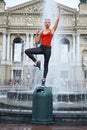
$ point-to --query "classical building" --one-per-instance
(18, 25)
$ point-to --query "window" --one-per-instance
(64, 50)
(17, 76)
(84, 58)
(85, 74)
(16, 73)
(17, 49)
(17, 52)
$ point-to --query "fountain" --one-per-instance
(64, 76)
(65, 73)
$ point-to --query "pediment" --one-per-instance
(31, 7)
(36, 7)
(67, 10)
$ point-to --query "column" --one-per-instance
(74, 47)
(55, 47)
(11, 74)
(31, 40)
(27, 40)
(8, 47)
(4, 47)
(11, 52)
(26, 46)
(78, 48)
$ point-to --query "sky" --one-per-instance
(70, 3)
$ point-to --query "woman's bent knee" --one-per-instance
(26, 51)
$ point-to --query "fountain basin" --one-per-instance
(20, 95)
(64, 101)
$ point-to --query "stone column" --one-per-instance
(74, 47)
(26, 45)
(55, 49)
(4, 47)
(27, 40)
(8, 47)
(78, 48)
(11, 52)
(11, 74)
(31, 40)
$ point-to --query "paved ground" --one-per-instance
(34, 127)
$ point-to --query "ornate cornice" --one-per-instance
(23, 27)
(81, 27)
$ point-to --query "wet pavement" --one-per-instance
(38, 127)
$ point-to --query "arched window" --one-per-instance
(64, 50)
(17, 40)
(84, 58)
(17, 49)
(84, 63)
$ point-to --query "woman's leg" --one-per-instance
(46, 61)
(31, 51)
(47, 55)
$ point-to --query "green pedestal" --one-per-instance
(42, 106)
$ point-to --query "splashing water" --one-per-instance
(53, 78)
(62, 70)
(59, 72)
(62, 74)
(49, 12)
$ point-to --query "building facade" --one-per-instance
(18, 25)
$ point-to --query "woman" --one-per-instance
(45, 36)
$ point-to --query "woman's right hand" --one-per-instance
(37, 31)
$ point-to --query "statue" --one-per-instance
(83, 1)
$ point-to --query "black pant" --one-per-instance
(45, 50)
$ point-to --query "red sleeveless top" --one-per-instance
(46, 38)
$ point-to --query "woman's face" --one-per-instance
(47, 23)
